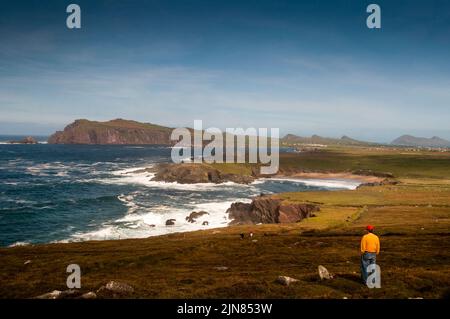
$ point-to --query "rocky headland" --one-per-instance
(186, 173)
(117, 131)
(268, 210)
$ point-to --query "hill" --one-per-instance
(316, 139)
(117, 131)
(409, 140)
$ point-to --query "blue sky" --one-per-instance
(309, 67)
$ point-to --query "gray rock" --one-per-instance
(221, 268)
(170, 222)
(285, 280)
(194, 215)
(324, 274)
(55, 294)
(118, 287)
(89, 295)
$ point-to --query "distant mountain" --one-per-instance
(316, 139)
(117, 131)
(409, 140)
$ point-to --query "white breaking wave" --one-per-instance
(19, 243)
(153, 223)
(138, 176)
(328, 183)
(141, 221)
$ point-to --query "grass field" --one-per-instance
(412, 219)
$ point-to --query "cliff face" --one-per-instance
(197, 173)
(268, 210)
(112, 132)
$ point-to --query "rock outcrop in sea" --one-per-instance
(26, 140)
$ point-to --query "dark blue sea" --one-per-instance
(63, 193)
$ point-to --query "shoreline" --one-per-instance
(333, 182)
(344, 176)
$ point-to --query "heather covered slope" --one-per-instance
(117, 131)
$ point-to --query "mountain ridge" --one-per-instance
(317, 139)
(410, 140)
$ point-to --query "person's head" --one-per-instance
(370, 228)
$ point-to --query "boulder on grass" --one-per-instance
(324, 274)
(285, 280)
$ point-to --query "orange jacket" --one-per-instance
(370, 243)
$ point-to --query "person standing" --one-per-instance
(370, 248)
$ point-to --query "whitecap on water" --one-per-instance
(19, 243)
(328, 183)
(153, 222)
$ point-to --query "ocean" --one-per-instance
(65, 193)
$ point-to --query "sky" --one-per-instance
(306, 67)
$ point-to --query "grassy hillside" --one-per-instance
(401, 163)
(398, 162)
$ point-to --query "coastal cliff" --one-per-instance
(267, 210)
(117, 131)
(197, 173)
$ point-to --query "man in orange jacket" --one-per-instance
(370, 248)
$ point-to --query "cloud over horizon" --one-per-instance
(229, 64)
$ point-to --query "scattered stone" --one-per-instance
(205, 223)
(55, 294)
(194, 215)
(89, 295)
(324, 273)
(170, 222)
(116, 287)
(242, 235)
(285, 280)
(221, 268)
(254, 240)
(27, 262)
